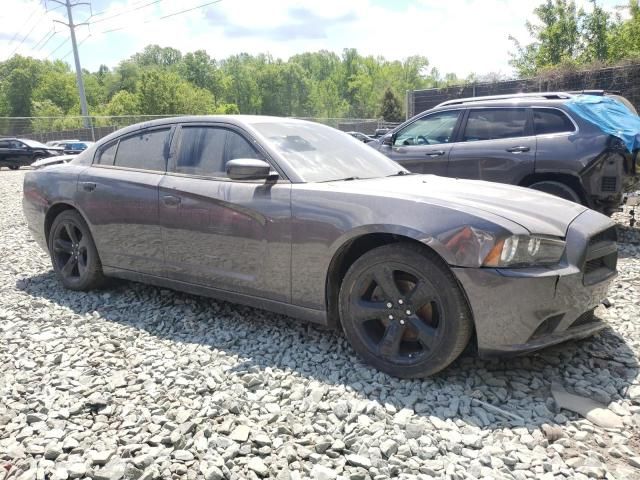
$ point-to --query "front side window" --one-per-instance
(430, 130)
(548, 120)
(106, 155)
(145, 150)
(495, 123)
(206, 150)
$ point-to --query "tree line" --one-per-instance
(163, 81)
(565, 36)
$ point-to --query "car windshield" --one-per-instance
(318, 153)
(33, 143)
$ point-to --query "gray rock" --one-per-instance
(257, 465)
(240, 433)
(388, 447)
(182, 455)
(358, 461)
(213, 473)
(320, 472)
(114, 470)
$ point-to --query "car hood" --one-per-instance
(537, 212)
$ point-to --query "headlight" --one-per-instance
(525, 251)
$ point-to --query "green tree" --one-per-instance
(391, 111)
(624, 36)
(123, 103)
(556, 35)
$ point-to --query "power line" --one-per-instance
(79, 43)
(25, 23)
(37, 44)
(125, 12)
(102, 12)
(53, 34)
(29, 32)
(58, 47)
(163, 17)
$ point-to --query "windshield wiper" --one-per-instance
(401, 173)
(346, 179)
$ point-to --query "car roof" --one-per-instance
(238, 120)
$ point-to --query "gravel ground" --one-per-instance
(138, 382)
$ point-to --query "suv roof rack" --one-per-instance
(542, 95)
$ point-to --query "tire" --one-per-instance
(14, 167)
(416, 330)
(74, 256)
(558, 189)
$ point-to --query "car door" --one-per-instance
(21, 153)
(423, 146)
(494, 144)
(221, 233)
(118, 194)
(6, 152)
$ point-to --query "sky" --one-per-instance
(458, 36)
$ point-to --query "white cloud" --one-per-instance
(460, 36)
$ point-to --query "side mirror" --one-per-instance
(248, 169)
(389, 139)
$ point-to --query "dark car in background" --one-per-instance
(74, 148)
(20, 152)
(58, 143)
(302, 219)
(530, 140)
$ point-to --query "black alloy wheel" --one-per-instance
(403, 312)
(73, 252)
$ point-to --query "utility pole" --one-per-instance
(76, 57)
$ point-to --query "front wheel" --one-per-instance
(14, 167)
(403, 312)
(73, 253)
(558, 189)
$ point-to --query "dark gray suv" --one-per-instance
(531, 140)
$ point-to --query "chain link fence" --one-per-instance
(93, 128)
(624, 79)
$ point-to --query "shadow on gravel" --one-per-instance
(487, 393)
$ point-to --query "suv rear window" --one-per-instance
(547, 120)
(495, 123)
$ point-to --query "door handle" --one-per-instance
(518, 149)
(171, 200)
(435, 153)
(88, 186)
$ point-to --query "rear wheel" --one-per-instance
(14, 167)
(558, 189)
(73, 253)
(403, 311)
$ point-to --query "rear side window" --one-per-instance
(107, 154)
(495, 123)
(206, 150)
(547, 120)
(5, 145)
(146, 151)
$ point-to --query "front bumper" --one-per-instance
(521, 310)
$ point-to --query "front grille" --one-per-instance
(609, 184)
(586, 317)
(601, 257)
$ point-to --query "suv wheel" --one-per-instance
(558, 189)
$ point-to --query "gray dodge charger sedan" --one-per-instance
(299, 218)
